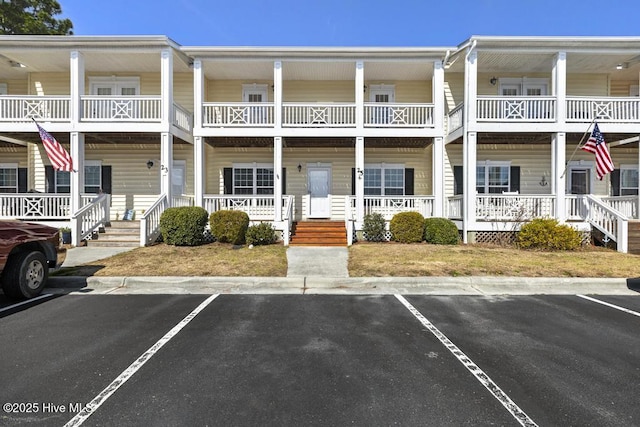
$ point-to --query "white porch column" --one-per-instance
(166, 164)
(359, 179)
(166, 86)
(437, 179)
(438, 96)
(77, 181)
(470, 160)
(559, 86)
(277, 94)
(359, 95)
(198, 93)
(198, 171)
(470, 142)
(76, 86)
(559, 178)
(277, 178)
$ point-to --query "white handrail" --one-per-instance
(150, 220)
(89, 218)
(609, 221)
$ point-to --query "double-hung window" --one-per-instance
(384, 180)
(8, 178)
(254, 179)
(628, 180)
(492, 177)
(92, 178)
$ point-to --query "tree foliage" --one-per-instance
(32, 17)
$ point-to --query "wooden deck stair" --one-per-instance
(118, 234)
(319, 233)
(633, 237)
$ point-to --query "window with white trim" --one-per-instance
(492, 177)
(8, 178)
(628, 180)
(254, 179)
(384, 180)
(92, 178)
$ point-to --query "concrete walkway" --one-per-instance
(306, 261)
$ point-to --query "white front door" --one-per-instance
(319, 181)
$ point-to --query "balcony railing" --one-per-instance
(257, 207)
(605, 109)
(182, 118)
(516, 108)
(119, 108)
(318, 115)
(398, 115)
(455, 121)
(508, 207)
(238, 114)
(24, 108)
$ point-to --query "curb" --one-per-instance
(344, 286)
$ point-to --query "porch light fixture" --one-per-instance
(493, 81)
(622, 66)
(149, 164)
(299, 167)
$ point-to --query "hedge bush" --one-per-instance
(548, 234)
(229, 226)
(261, 234)
(441, 231)
(407, 227)
(374, 227)
(183, 226)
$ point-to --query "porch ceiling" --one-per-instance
(96, 138)
(301, 142)
(572, 139)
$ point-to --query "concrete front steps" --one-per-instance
(319, 233)
(118, 234)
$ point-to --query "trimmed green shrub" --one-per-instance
(441, 231)
(183, 226)
(374, 227)
(229, 226)
(407, 227)
(548, 234)
(261, 234)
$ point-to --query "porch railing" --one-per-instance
(257, 207)
(388, 206)
(90, 217)
(130, 108)
(454, 207)
(398, 115)
(318, 115)
(605, 109)
(150, 220)
(609, 221)
(38, 205)
(508, 207)
(237, 114)
(182, 118)
(287, 218)
(24, 108)
(181, 201)
(516, 108)
(627, 205)
(455, 118)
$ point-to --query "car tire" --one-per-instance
(25, 275)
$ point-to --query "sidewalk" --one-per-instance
(314, 270)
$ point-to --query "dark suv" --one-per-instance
(27, 252)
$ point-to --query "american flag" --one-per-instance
(596, 145)
(58, 156)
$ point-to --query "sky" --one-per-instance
(395, 23)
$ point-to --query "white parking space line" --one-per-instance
(29, 301)
(92, 406)
(617, 307)
(480, 375)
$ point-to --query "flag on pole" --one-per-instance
(596, 145)
(58, 156)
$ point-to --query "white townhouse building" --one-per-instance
(484, 133)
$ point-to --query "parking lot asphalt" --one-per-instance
(321, 360)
